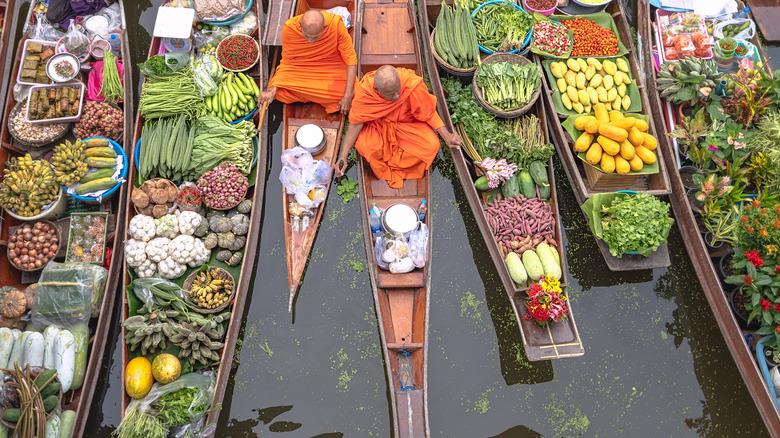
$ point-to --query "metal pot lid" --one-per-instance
(401, 218)
(309, 136)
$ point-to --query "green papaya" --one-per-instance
(100, 162)
(108, 152)
(96, 186)
(481, 183)
(511, 187)
(538, 171)
(527, 186)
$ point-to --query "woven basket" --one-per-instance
(21, 106)
(219, 47)
(56, 210)
(186, 290)
(155, 181)
(466, 73)
(119, 139)
(514, 59)
(57, 232)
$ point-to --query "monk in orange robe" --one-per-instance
(318, 63)
(393, 125)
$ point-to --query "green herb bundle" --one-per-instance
(173, 408)
(501, 27)
(138, 424)
(217, 141)
(155, 66)
(635, 223)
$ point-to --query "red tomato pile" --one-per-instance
(590, 39)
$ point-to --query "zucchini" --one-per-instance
(67, 420)
(97, 174)
(80, 332)
(65, 358)
(6, 345)
(53, 426)
(526, 183)
(33, 350)
(18, 350)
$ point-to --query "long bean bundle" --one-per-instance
(508, 86)
(111, 88)
(217, 141)
(171, 95)
(500, 27)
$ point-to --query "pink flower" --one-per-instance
(713, 148)
(738, 145)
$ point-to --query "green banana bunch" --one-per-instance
(27, 185)
(68, 162)
(688, 79)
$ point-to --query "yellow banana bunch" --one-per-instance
(69, 162)
(27, 185)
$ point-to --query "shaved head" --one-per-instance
(387, 82)
(312, 25)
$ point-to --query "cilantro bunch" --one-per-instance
(635, 223)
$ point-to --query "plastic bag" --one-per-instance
(291, 178)
(218, 10)
(204, 37)
(745, 34)
(246, 25)
(203, 80)
(378, 250)
(95, 80)
(42, 29)
(209, 63)
(68, 292)
(177, 60)
(302, 196)
(402, 266)
(319, 173)
(203, 383)
(141, 290)
(418, 245)
(75, 42)
(343, 12)
(298, 157)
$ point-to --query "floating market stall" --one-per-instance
(511, 189)
(720, 112)
(197, 174)
(66, 122)
(8, 21)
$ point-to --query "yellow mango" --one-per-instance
(571, 78)
(594, 97)
(609, 106)
(590, 72)
(583, 96)
(622, 65)
(612, 94)
(581, 121)
(601, 72)
(646, 155)
(573, 65)
(595, 63)
(650, 142)
(609, 67)
(608, 82)
(636, 164)
(583, 64)
(556, 71)
(641, 125)
(578, 107)
(626, 102)
(627, 150)
(621, 165)
(609, 146)
(595, 81)
(594, 154)
(615, 115)
(617, 102)
(602, 94)
(618, 77)
(583, 142)
(627, 80)
(566, 101)
(562, 85)
(622, 90)
(624, 123)
(635, 136)
(579, 81)
(587, 108)
(572, 92)
(607, 163)
(592, 127)
(601, 114)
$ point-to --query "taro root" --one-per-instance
(140, 198)
(147, 186)
(158, 196)
(147, 211)
(159, 211)
(173, 193)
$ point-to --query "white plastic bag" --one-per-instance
(746, 34)
(418, 246)
(319, 174)
(291, 178)
(378, 250)
(298, 157)
(402, 266)
(246, 25)
(344, 13)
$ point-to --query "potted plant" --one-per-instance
(678, 85)
(724, 265)
(687, 133)
(737, 302)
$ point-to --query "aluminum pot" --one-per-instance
(400, 219)
(310, 137)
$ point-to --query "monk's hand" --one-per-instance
(453, 140)
(266, 96)
(341, 167)
(345, 103)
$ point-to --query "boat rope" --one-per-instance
(404, 377)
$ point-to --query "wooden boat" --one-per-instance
(687, 224)
(295, 115)
(389, 36)
(8, 20)
(79, 400)
(243, 282)
(555, 341)
(587, 181)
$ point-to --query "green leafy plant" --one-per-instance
(689, 130)
(635, 223)
(348, 189)
(722, 226)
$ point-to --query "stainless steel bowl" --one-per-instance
(310, 137)
(402, 219)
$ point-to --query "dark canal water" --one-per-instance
(655, 363)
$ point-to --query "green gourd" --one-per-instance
(533, 266)
(516, 269)
(527, 184)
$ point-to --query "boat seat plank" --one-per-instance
(409, 406)
(381, 37)
(380, 188)
(401, 303)
(766, 13)
(388, 280)
(328, 154)
(408, 346)
(279, 11)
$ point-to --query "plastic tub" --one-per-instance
(177, 44)
(25, 52)
(545, 12)
(581, 3)
(60, 119)
(659, 34)
(122, 174)
(518, 7)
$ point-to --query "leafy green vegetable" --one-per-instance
(508, 86)
(635, 223)
(174, 408)
(155, 66)
(348, 189)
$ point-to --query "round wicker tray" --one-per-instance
(155, 181)
(57, 231)
(466, 73)
(515, 59)
(56, 210)
(188, 284)
(21, 106)
(221, 44)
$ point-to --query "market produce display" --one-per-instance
(166, 148)
(684, 35)
(28, 186)
(235, 97)
(87, 238)
(99, 119)
(211, 288)
(171, 95)
(238, 52)
(33, 68)
(551, 38)
(111, 88)
(591, 39)
(69, 162)
(502, 26)
(688, 79)
(33, 133)
(32, 246)
(54, 102)
(583, 82)
(216, 142)
(155, 197)
(224, 187)
(29, 394)
(506, 85)
(456, 36)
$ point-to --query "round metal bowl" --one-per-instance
(400, 219)
(62, 57)
(311, 138)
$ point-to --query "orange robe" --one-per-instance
(398, 138)
(314, 72)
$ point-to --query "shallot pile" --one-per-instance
(33, 246)
(520, 224)
(224, 187)
(99, 119)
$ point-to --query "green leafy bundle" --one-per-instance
(635, 223)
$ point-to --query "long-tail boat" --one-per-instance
(8, 20)
(733, 335)
(389, 36)
(557, 340)
(299, 242)
(79, 400)
(244, 280)
(587, 181)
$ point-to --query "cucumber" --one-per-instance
(18, 350)
(67, 420)
(481, 183)
(33, 350)
(49, 403)
(526, 183)
(65, 358)
(51, 389)
(6, 345)
(80, 332)
(11, 415)
(97, 174)
(96, 186)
